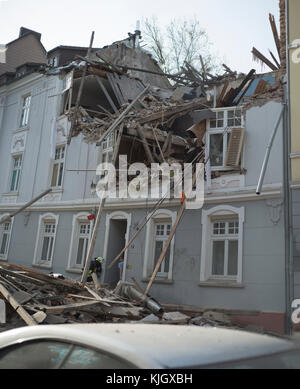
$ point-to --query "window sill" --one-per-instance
(12, 194)
(21, 129)
(221, 284)
(56, 190)
(74, 271)
(42, 266)
(164, 281)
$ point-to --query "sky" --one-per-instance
(233, 26)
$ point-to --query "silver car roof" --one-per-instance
(157, 346)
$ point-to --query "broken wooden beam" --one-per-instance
(56, 310)
(29, 320)
(8, 218)
(258, 55)
(275, 33)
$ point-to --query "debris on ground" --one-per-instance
(36, 298)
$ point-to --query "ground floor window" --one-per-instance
(83, 243)
(80, 239)
(222, 244)
(5, 231)
(45, 243)
(157, 235)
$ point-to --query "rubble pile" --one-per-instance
(36, 298)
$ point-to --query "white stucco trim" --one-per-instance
(149, 244)
(221, 210)
(38, 242)
(79, 217)
(117, 215)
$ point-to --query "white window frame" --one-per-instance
(164, 216)
(4, 256)
(59, 162)
(78, 219)
(18, 169)
(208, 218)
(106, 149)
(25, 111)
(45, 219)
(224, 130)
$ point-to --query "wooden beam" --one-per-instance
(104, 90)
(265, 60)
(29, 320)
(275, 33)
(274, 59)
(122, 116)
(8, 218)
(145, 143)
(56, 310)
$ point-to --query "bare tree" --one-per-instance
(181, 41)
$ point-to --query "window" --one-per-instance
(5, 231)
(16, 172)
(58, 167)
(162, 232)
(80, 239)
(220, 141)
(48, 241)
(83, 243)
(45, 243)
(107, 149)
(157, 234)
(25, 111)
(222, 243)
(55, 354)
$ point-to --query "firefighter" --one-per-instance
(95, 267)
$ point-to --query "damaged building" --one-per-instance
(62, 118)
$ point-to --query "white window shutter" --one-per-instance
(235, 146)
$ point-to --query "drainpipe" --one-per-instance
(289, 260)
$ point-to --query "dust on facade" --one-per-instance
(64, 112)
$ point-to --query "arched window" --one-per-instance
(157, 234)
(80, 239)
(45, 243)
(222, 244)
(5, 234)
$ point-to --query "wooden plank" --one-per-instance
(145, 143)
(71, 307)
(222, 94)
(265, 60)
(17, 307)
(275, 34)
(171, 111)
(8, 218)
(96, 296)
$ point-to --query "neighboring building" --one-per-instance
(27, 48)
(294, 98)
(229, 255)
